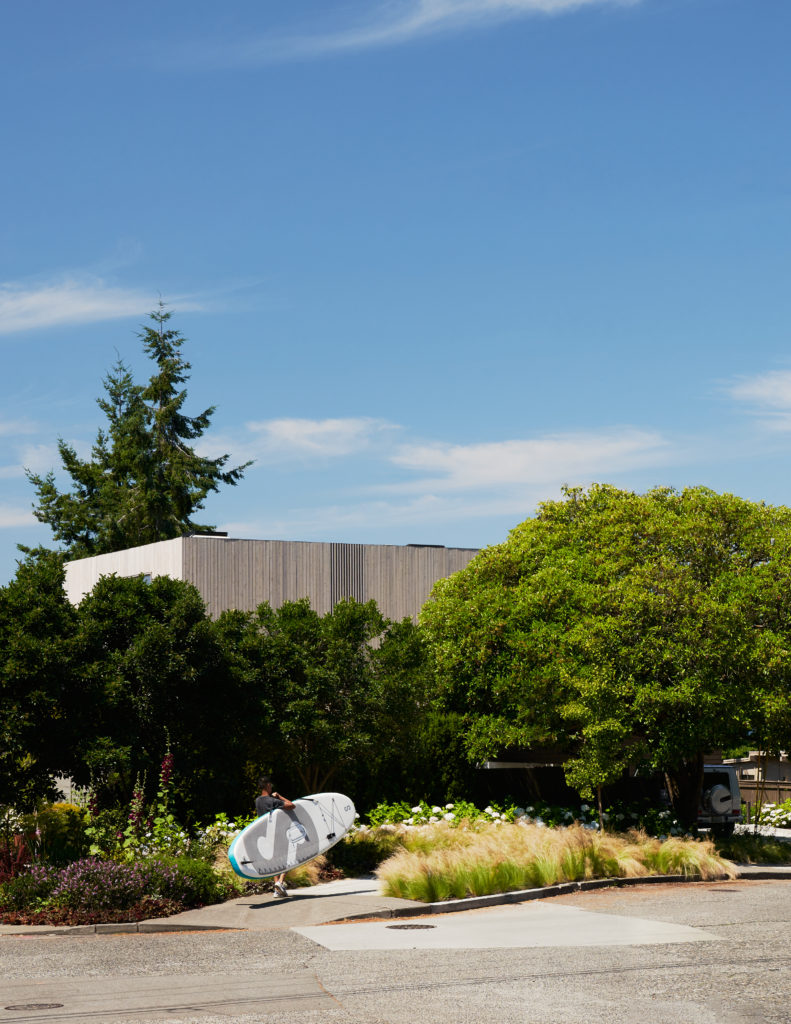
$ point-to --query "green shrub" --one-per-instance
(385, 813)
(777, 815)
(361, 853)
(60, 832)
(105, 831)
(27, 890)
(94, 885)
(201, 883)
(751, 849)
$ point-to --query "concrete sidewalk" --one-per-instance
(347, 900)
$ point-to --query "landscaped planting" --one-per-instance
(618, 818)
(90, 891)
(423, 851)
(749, 848)
(776, 815)
(439, 862)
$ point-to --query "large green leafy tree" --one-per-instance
(343, 697)
(41, 714)
(313, 677)
(629, 628)
(156, 673)
(144, 481)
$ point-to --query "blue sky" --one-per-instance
(434, 258)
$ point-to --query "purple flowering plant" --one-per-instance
(95, 885)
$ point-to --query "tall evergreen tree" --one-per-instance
(144, 481)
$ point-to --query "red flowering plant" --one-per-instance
(154, 829)
(15, 852)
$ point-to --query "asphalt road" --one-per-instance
(735, 968)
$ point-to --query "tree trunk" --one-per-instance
(684, 783)
(313, 779)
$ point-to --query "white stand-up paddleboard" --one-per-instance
(281, 839)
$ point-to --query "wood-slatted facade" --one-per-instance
(231, 573)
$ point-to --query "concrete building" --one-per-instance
(231, 573)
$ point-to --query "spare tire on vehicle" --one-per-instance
(717, 800)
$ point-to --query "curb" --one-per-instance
(122, 927)
(764, 871)
(744, 871)
(758, 872)
(518, 896)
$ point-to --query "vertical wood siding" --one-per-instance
(243, 573)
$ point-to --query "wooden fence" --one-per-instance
(764, 792)
(755, 793)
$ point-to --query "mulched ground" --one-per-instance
(142, 911)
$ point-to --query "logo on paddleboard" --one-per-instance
(296, 833)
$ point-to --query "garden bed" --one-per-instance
(438, 862)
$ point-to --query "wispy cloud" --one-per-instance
(11, 517)
(283, 440)
(767, 396)
(355, 518)
(71, 300)
(558, 458)
(388, 24)
(38, 458)
(15, 428)
(466, 483)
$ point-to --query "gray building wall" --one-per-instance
(231, 573)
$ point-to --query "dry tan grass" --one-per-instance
(440, 863)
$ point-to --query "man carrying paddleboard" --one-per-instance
(270, 801)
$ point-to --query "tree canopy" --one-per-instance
(340, 695)
(628, 628)
(40, 713)
(99, 692)
(144, 481)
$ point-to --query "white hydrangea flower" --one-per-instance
(416, 810)
(449, 807)
(450, 816)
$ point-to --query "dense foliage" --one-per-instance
(41, 710)
(100, 693)
(624, 628)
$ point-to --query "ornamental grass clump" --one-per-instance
(480, 862)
